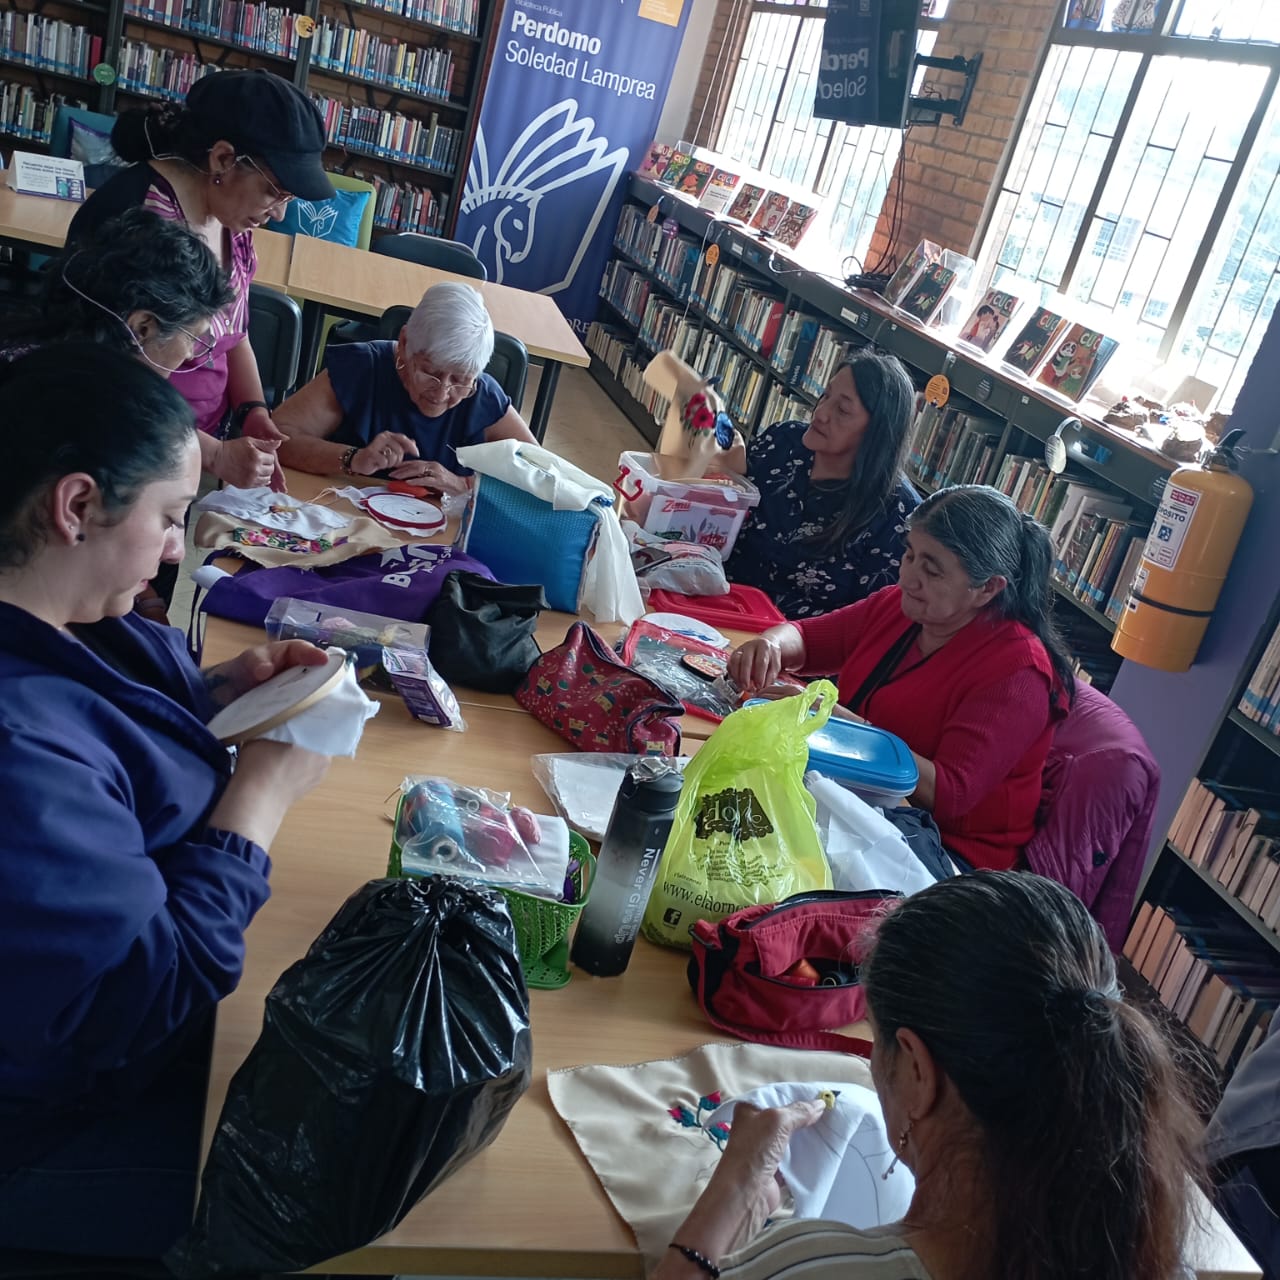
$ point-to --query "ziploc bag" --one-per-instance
(445, 828)
(744, 830)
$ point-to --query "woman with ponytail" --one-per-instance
(960, 660)
(1048, 1131)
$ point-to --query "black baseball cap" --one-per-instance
(262, 114)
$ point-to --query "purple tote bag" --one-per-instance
(399, 582)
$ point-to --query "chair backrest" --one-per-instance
(432, 251)
(1097, 810)
(343, 183)
(508, 366)
(60, 135)
(275, 332)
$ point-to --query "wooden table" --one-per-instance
(41, 222)
(529, 1205)
(333, 277)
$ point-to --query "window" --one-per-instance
(1146, 179)
(769, 124)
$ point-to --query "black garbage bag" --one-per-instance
(389, 1055)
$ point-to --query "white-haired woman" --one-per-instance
(401, 409)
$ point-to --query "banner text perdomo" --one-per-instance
(576, 68)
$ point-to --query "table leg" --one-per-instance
(542, 402)
(312, 323)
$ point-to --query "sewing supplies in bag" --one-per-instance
(446, 828)
(694, 671)
(788, 973)
(592, 699)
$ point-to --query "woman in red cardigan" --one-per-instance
(960, 660)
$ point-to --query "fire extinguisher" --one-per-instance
(1184, 563)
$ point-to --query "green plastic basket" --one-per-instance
(542, 926)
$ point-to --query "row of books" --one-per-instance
(751, 314)
(950, 446)
(614, 348)
(1260, 700)
(25, 114)
(1226, 832)
(721, 191)
(263, 28)
(159, 73)
(626, 290)
(637, 237)
(742, 381)
(666, 325)
(781, 406)
(355, 52)
(401, 206)
(454, 15)
(390, 135)
(1096, 543)
(1209, 974)
(48, 44)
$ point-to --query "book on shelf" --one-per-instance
(989, 319)
(925, 296)
(1260, 699)
(1213, 976)
(1034, 340)
(1076, 360)
(656, 159)
(745, 202)
(910, 269)
(717, 195)
(678, 162)
(768, 217)
(795, 222)
(950, 446)
(696, 177)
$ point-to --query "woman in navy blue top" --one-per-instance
(401, 409)
(834, 502)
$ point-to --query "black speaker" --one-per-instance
(868, 54)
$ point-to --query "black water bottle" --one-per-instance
(627, 867)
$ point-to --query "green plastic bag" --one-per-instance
(744, 830)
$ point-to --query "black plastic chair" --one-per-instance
(508, 366)
(432, 251)
(275, 330)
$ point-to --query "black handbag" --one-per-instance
(482, 632)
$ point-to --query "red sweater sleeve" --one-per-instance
(986, 737)
(830, 637)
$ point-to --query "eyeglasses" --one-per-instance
(202, 349)
(434, 384)
(280, 197)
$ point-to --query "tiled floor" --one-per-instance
(586, 428)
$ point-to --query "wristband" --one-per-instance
(348, 458)
(242, 411)
(699, 1260)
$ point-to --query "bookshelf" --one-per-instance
(774, 332)
(399, 81)
(1217, 875)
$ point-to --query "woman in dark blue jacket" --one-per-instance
(132, 857)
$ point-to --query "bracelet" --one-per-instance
(242, 411)
(348, 458)
(699, 1260)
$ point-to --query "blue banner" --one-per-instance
(573, 101)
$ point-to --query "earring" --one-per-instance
(80, 537)
(902, 1146)
(217, 179)
(399, 364)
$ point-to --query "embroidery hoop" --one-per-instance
(277, 700)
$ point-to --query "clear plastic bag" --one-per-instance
(445, 828)
(584, 784)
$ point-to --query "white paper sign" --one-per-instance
(54, 176)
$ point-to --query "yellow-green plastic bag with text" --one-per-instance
(744, 830)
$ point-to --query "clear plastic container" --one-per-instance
(709, 511)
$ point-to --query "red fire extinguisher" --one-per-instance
(1184, 563)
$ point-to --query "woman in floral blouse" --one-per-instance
(834, 502)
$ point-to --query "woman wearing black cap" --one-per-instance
(228, 160)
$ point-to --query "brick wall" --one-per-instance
(947, 173)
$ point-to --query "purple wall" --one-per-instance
(1180, 714)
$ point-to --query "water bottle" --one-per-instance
(627, 867)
